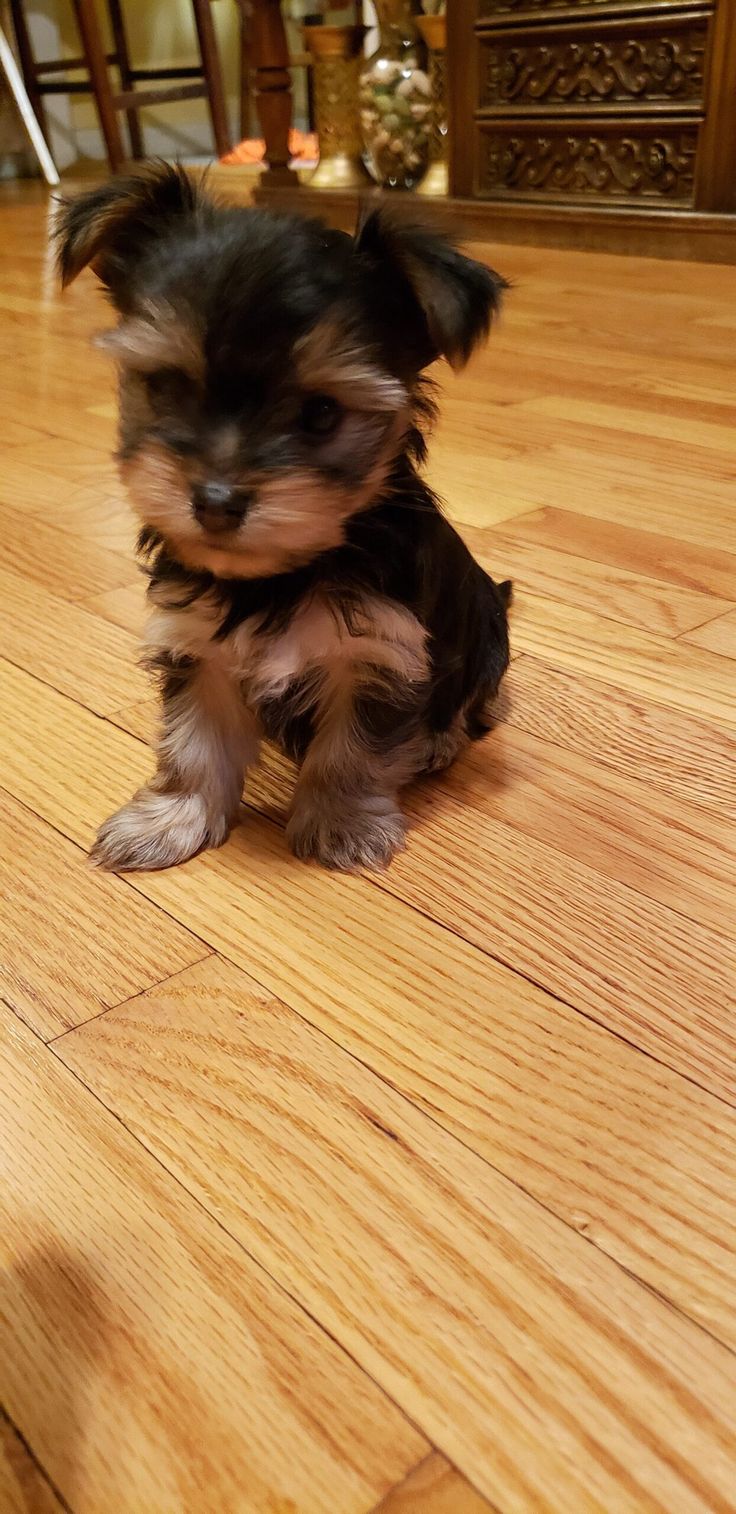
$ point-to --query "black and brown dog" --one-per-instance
(304, 582)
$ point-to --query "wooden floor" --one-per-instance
(320, 1196)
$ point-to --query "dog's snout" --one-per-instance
(220, 507)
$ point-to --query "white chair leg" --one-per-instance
(28, 116)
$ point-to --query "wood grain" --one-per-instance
(23, 1486)
(78, 653)
(672, 753)
(681, 564)
(445, 1023)
(615, 593)
(434, 1487)
(69, 567)
(151, 1364)
(374, 1219)
(71, 943)
(126, 606)
(684, 678)
(717, 636)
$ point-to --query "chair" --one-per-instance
(43, 78)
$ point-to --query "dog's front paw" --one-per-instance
(347, 834)
(156, 830)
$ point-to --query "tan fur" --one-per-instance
(208, 740)
(294, 517)
(155, 340)
(329, 362)
(345, 810)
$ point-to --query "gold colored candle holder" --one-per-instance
(337, 58)
(434, 34)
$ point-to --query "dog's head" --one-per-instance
(268, 366)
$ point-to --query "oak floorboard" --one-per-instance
(423, 1262)
(148, 1361)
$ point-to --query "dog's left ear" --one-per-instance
(110, 226)
(454, 297)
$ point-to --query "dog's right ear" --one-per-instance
(110, 226)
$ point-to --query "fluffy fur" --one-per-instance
(303, 580)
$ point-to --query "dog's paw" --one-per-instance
(156, 830)
(345, 835)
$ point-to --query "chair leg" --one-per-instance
(270, 57)
(245, 89)
(27, 63)
(94, 53)
(123, 56)
(12, 73)
(212, 74)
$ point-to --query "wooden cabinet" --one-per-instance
(594, 105)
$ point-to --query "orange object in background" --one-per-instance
(303, 146)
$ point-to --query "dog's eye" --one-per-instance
(169, 384)
(320, 415)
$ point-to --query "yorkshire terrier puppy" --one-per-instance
(303, 581)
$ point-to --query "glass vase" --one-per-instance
(396, 100)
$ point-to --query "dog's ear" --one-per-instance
(110, 226)
(455, 297)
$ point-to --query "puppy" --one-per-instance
(303, 581)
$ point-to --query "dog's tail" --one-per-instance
(506, 591)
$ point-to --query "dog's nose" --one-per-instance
(220, 507)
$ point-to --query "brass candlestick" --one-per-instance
(434, 33)
(337, 56)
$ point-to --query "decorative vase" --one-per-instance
(434, 34)
(396, 100)
(336, 53)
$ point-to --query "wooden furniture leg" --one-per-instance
(10, 69)
(212, 74)
(270, 58)
(100, 79)
(126, 77)
(27, 63)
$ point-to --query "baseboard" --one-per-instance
(670, 233)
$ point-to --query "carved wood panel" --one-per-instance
(593, 66)
(500, 10)
(609, 163)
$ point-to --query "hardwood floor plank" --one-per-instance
(573, 1386)
(23, 1486)
(72, 943)
(706, 570)
(62, 760)
(615, 593)
(92, 506)
(78, 653)
(434, 1487)
(442, 1021)
(598, 944)
(717, 636)
(126, 606)
(667, 849)
(672, 753)
(147, 1360)
(629, 423)
(140, 720)
(689, 679)
(69, 567)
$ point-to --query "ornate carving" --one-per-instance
(604, 164)
(503, 7)
(519, 72)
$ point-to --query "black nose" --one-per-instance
(220, 507)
